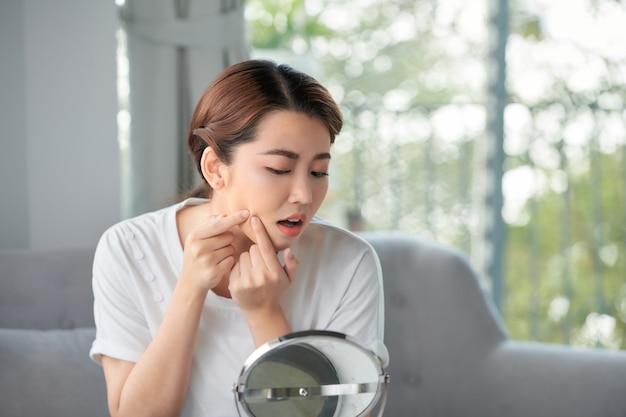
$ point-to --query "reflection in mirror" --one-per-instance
(311, 374)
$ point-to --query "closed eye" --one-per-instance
(278, 171)
(319, 174)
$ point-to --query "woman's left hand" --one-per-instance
(258, 280)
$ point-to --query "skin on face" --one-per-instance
(281, 175)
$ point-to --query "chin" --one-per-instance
(279, 243)
(280, 247)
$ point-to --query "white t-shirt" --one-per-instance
(136, 267)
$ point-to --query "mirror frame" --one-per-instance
(242, 394)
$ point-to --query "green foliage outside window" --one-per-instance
(410, 77)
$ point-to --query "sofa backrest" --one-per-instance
(429, 290)
(439, 323)
(46, 290)
(46, 330)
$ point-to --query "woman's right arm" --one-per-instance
(157, 384)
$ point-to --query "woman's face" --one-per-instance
(281, 176)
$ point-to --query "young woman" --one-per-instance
(185, 294)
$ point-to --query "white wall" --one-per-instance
(59, 159)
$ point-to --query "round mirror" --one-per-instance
(311, 374)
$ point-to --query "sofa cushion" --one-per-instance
(49, 373)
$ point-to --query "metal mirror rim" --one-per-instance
(338, 389)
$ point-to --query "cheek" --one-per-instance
(319, 194)
(253, 191)
(246, 228)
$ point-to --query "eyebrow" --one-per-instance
(293, 155)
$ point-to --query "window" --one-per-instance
(412, 76)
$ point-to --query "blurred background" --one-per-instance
(494, 126)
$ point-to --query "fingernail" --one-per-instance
(255, 221)
(244, 214)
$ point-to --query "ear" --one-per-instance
(212, 168)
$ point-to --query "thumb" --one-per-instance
(291, 264)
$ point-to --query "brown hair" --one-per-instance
(232, 106)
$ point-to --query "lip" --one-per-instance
(296, 229)
(297, 216)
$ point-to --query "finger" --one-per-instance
(226, 265)
(236, 270)
(219, 224)
(229, 221)
(291, 264)
(223, 253)
(217, 242)
(244, 262)
(240, 272)
(266, 248)
(257, 263)
(253, 266)
(198, 247)
(235, 273)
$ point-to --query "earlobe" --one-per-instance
(210, 164)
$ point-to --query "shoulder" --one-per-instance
(148, 226)
(336, 239)
(134, 236)
(144, 226)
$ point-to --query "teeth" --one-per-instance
(293, 220)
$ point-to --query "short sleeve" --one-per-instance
(361, 311)
(121, 328)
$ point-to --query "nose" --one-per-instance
(301, 190)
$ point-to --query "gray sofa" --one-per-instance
(450, 354)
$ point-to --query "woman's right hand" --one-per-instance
(208, 251)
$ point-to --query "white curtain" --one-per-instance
(175, 48)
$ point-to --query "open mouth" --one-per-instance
(290, 223)
(292, 226)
